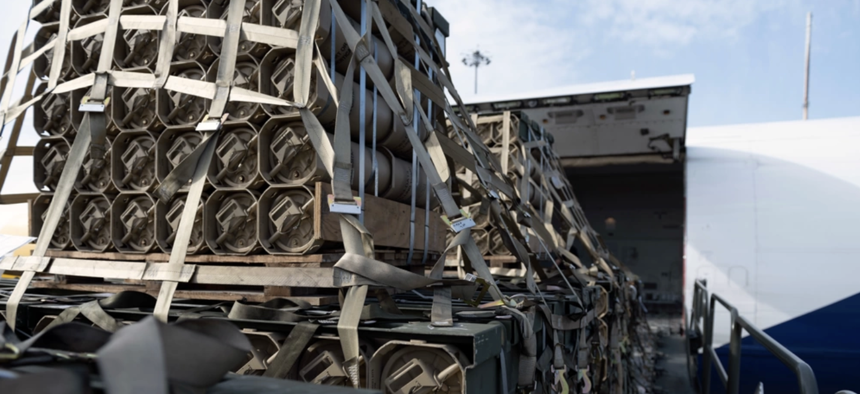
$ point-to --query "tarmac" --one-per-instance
(672, 367)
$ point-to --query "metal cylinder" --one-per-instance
(287, 14)
(402, 179)
(49, 158)
(135, 109)
(154, 4)
(235, 162)
(277, 75)
(538, 152)
(51, 13)
(396, 139)
(528, 166)
(322, 363)
(384, 168)
(285, 220)
(90, 7)
(192, 47)
(287, 156)
(245, 76)
(256, 11)
(481, 219)
(482, 239)
(264, 345)
(52, 115)
(490, 133)
(180, 109)
(404, 44)
(42, 64)
(409, 361)
(171, 148)
(90, 222)
(86, 52)
(167, 217)
(61, 239)
(133, 223)
(138, 48)
(94, 176)
(514, 154)
(496, 245)
(133, 164)
(531, 166)
(343, 54)
(531, 194)
(390, 129)
(230, 222)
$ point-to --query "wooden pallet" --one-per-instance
(311, 266)
(394, 257)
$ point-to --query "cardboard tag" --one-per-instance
(462, 224)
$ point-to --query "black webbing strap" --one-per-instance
(95, 313)
(47, 381)
(376, 311)
(71, 337)
(543, 367)
(197, 313)
(45, 347)
(277, 309)
(147, 357)
(152, 357)
(7, 335)
(528, 346)
(565, 323)
(386, 302)
(290, 351)
(239, 384)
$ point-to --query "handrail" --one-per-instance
(703, 309)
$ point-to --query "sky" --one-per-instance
(747, 55)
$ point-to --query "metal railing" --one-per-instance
(703, 309)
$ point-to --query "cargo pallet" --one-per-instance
(313, 292)
(483, 350)
(127, 130)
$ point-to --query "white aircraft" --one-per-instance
(766, 213)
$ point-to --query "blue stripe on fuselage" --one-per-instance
(828, 339)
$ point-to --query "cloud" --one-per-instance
(541, 44)
(530, 45)
(674, 22)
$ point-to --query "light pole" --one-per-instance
(806, 71)
(476, 59)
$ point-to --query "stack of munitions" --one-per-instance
(524, 152)
(264, 163)
(621, 347)
(508, 138)
(273, 127)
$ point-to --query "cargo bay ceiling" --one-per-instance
(620, 118)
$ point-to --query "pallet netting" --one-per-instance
(247, 127)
